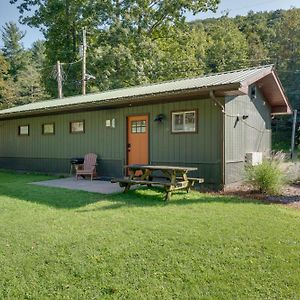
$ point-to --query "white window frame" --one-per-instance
(22, 127)
(184, 130)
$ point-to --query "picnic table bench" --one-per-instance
(175, 178)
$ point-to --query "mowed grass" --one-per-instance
(63, 244)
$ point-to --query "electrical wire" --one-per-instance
(72, 63)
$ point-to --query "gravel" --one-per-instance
(290, 194)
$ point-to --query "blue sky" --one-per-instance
(9, 12)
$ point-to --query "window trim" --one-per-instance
(138, 132)
(76, 132)
(48, 133)
(184, 111)
(22, 134)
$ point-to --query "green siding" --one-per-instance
(52, 153)
(250, 135)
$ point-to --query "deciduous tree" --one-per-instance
(120, 34)
(228, 49)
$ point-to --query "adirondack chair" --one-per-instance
(88, 167)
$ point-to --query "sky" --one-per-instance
(9, 12)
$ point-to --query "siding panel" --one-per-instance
(201, 149)
(241, 136)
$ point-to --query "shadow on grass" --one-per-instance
(155, 197)
(16, 186)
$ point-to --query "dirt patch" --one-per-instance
(290, 194)
(295, 205)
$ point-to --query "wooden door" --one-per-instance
(137, 140)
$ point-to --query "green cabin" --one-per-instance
(210, 122)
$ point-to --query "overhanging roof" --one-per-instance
(227, 83)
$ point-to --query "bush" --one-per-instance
(267, 177)
(293, 172)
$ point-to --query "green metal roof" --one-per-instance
(138, 92)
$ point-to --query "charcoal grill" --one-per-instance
(74, 162)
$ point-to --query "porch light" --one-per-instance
(159, 118)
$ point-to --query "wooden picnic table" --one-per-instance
(175, 177)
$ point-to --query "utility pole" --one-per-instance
(293, 134)
(59, 80)
(84, 61)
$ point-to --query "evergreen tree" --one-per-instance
(20, 69)
(38, 54)
(13, 49)
(3, 77)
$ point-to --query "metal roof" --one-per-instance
(136, 92)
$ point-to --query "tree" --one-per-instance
(121, 34)
(181, 55)
(3, 72)
(288, 51)
(38, 54)
(227, 49)
(260, 32)
(20, 76)
(3, 75)
(13, 49)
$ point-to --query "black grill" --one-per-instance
(77, 160)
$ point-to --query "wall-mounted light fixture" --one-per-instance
(159, 118)
(110, 123)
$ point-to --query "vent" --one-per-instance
(253, 92)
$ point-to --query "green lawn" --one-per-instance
(57, 243)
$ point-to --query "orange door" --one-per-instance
(137, 140)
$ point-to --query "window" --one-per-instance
(138, 126)
(77, 127)
(184, 121)
(48, 128)
(23, 130)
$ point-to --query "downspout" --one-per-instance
(222, 140)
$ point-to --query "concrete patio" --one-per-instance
(95, 186)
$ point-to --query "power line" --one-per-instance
(72, 63)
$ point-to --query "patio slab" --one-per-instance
(95, 186)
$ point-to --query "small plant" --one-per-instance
(267, 177)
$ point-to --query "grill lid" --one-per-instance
(77, 160)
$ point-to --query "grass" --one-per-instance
(64, 244)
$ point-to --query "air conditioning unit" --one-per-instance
(254, 158)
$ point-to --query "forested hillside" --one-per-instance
(133, 43)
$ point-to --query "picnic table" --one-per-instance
(175, 178)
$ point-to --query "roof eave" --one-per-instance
(285, 108)
(284, 97)
(221, 90)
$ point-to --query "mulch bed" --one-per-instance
(290, 194)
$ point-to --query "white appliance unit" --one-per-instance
(254, 158)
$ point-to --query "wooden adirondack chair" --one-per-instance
(88, 167)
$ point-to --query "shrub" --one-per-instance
(293, 172)
(267, 177)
